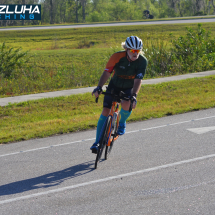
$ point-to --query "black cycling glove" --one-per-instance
(97, 89)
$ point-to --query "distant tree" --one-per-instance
(51, 12)
(58, 11)
(213, 4)
(83, 5)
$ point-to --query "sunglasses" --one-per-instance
(133, 51)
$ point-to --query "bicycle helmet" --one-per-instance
(134, 42)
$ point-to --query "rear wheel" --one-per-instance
(103, 141)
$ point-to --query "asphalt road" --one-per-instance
(160, 166)
(185, 20)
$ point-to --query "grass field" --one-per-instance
(71, 58)
(58, 70)
(97, 37)
(42, 118)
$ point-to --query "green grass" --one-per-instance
(42, 118)
(72, 58)
(96, 37)
(57, 70)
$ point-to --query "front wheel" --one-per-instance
(113, 135)
(103, 140)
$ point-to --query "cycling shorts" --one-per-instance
(108, 99)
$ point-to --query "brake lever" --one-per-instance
(131, 104)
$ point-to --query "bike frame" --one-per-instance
(114, 109)
(109, 134)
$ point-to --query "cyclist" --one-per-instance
(128, 67)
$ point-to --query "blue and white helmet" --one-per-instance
(134, 42)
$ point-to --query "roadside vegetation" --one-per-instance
(45, 117)
(94, 37)
(50, 60)
(85, 11)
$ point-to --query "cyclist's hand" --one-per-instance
(97, 91)
(134, 101)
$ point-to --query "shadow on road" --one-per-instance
(48, 180)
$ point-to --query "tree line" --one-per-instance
(81, 11)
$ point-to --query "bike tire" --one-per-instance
(103, 141)
(114, 133)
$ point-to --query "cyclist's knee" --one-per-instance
(105, 111)
(125, 105)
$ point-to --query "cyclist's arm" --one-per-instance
(104, 78)
(109, 69)
(137, 86)
(135, 90)
(140, 74)
(102, 81)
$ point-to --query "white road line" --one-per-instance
(106, 179)
(202, 130)
(177, 123)
(145, 129)
(47, 147)
(79, 141)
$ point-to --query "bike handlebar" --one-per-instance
(118, 97)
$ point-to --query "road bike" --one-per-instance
(109, 130)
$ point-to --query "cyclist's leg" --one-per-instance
(125, 105)
(101, 122)
(106, 110)
(122, 122)
(124, 113)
